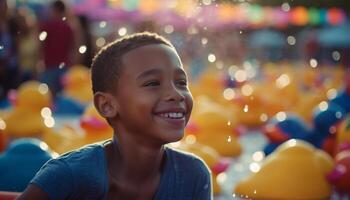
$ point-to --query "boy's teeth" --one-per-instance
(172, 115)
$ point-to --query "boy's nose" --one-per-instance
(173, 94)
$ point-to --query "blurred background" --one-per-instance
(270, 81)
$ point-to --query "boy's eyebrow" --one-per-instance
(156, 71)
(149, 72)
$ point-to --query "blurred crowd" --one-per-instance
(43, 47)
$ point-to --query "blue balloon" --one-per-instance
(343, 100)
(316, 138)
(67, 106)
(269, 148)
(20, 162)
(230, 82)
(293, 126)
(325, 118)
(4, 104)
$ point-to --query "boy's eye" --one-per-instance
(182, 82)
(152, 83)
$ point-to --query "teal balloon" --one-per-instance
(130, 5)
(323, 16)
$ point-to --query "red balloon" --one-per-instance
(335, 16)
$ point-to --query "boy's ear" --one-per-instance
(106, 104)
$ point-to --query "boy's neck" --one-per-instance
(135, 162)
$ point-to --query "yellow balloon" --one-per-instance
(296, 170)
(31, 115)
(77, 84)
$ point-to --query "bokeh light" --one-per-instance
(313, 63)
(229, 94)
(281, 116)
(211, 58)
(122, 31)
(2, 124)
(323, 106)
(42, 35)
(43, 88)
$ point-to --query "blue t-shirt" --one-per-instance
(82, 174)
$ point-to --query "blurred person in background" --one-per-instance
(85, 46)
(27, 43)
(8, 52)
(312, 47)
(57, 44)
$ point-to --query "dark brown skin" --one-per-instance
(124, 182)
(153, 82)
(33, 192)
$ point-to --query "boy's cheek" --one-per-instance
(190, 102)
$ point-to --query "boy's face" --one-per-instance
(152, 95)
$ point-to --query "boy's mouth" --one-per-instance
(175, 116)
(172, 115)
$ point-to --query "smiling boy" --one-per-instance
(140, 87)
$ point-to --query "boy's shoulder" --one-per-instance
(81, 172)
(186, 176)
(86, 152)
(90, 157)
(186, 161)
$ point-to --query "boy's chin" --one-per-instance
(174, 137)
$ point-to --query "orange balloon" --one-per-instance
(225, 12)
(149, 6)
(299, 16)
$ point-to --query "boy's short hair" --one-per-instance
(107, 63)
